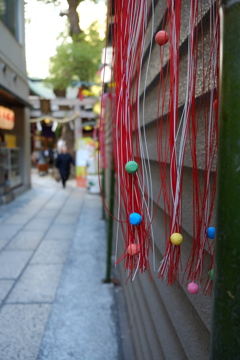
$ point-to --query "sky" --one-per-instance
(43, 26)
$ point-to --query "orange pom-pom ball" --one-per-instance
(161, 37)
(133, 249)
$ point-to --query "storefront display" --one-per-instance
(9, 152)
(10, 163)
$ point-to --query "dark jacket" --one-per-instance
(63, 164)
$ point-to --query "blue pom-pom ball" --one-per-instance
(211, 232)
(135, 218)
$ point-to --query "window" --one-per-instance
(9, 15)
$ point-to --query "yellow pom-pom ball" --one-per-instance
(176, 239)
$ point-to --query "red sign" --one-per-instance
(7, 118)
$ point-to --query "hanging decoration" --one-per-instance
(186, 135)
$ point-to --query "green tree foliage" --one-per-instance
(76, 59)
(55, 2)
(79, 55)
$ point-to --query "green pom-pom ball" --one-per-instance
(131, 167)
(211, 273)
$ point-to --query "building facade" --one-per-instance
(14, 118)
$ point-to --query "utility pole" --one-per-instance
(225, 335)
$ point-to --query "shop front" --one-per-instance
(14, 113)
(9, 152)
(14, 147)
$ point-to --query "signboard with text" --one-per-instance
(7, 118)
(85, 149)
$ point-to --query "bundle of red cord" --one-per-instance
(132, 188)
(181, 117)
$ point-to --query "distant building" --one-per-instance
(14, 118)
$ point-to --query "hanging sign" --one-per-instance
(7, 118)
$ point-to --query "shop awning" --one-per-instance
(8, 98)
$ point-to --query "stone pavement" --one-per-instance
(54, 305)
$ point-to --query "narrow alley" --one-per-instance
(52, 261)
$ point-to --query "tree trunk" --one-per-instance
(68, 137)
(73, 17)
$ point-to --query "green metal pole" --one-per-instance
(225, 335)
(110, 228)
(103, 193)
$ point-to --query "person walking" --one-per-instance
(63, 162)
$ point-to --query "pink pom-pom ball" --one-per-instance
(133, 249)
(193, 288)
(161, 37)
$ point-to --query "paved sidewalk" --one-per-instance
(52, 260)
